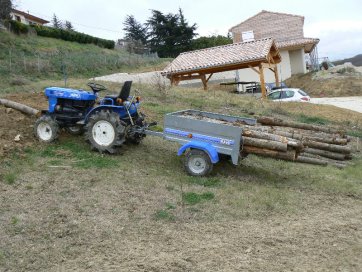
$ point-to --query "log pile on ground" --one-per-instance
(19, 107)
(292, 141)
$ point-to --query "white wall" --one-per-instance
(284, 70)
(22, 18)
(297, 61)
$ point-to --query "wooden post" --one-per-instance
(276, 74)
(204, 81)
(262, 81)
(172, 81)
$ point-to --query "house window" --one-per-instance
(247, 36)
(17, 18)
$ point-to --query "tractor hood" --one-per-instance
(66, 93)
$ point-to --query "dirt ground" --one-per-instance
(352, 102)
(14, 123)
(89, 224)
(327, 84)
(55, 216)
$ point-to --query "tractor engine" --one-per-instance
(73, 107)
(69, 106)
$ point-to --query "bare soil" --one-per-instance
(90, 221)
(13, 123)
(331, 87)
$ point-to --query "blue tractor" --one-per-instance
(107, 122)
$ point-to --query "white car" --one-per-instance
(289, 95)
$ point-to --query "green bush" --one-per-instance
(17, 27)
(72, 36)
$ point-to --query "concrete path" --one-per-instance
(352, 102)
(156, 78)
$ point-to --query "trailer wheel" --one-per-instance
(46, 129)
(197, 163)
(105, 132)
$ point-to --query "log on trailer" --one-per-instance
(289, 155)
(283, 123)
(328, 147)
(304, 159)
(326, 154)
(268, 144)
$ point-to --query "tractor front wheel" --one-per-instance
(197, 163)
(46, 129)
(105, 132)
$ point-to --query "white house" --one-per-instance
(26, 18)
(287, 31)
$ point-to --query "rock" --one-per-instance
(17, 138)
(9, 110)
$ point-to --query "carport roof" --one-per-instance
(224, 58)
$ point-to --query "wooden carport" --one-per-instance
(202, 64)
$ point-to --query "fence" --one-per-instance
(58, 62)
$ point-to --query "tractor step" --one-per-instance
(81, 122)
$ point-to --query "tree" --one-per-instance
(56, 22)
(69, 26)
(135, 31)
(5, 9)
(187, 33)
(211, 41)
(169, 34)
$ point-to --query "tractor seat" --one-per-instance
(123, 94)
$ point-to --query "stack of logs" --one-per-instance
(295, 141)
(291, 141)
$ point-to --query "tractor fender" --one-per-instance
(96, 109)
(208, 148)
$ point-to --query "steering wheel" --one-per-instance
(96, 87)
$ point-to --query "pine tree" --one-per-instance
(170, 34)
(5, 9)
(56, 22)
(69, 26)
(135, 31)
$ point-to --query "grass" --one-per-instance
(192, 198)
(25, 59)
(71, 199)
(77, 154)
(205, 181)
(14, 220)
(313, 120)
(355, 133)
(164, 215)
(10, 178)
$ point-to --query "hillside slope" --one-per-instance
(356, 60)
(38, 57)
(334, 82)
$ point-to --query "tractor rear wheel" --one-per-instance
(46, 129)
(105, 132)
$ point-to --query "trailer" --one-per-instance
(204, 138)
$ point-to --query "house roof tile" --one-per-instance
(307, 43)
(221, 56)
(30, 17)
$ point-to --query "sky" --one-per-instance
(338, 24)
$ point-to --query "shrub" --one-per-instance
(72, 36)
(17, 27)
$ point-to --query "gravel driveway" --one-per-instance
(156, 78)
(352, 102)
